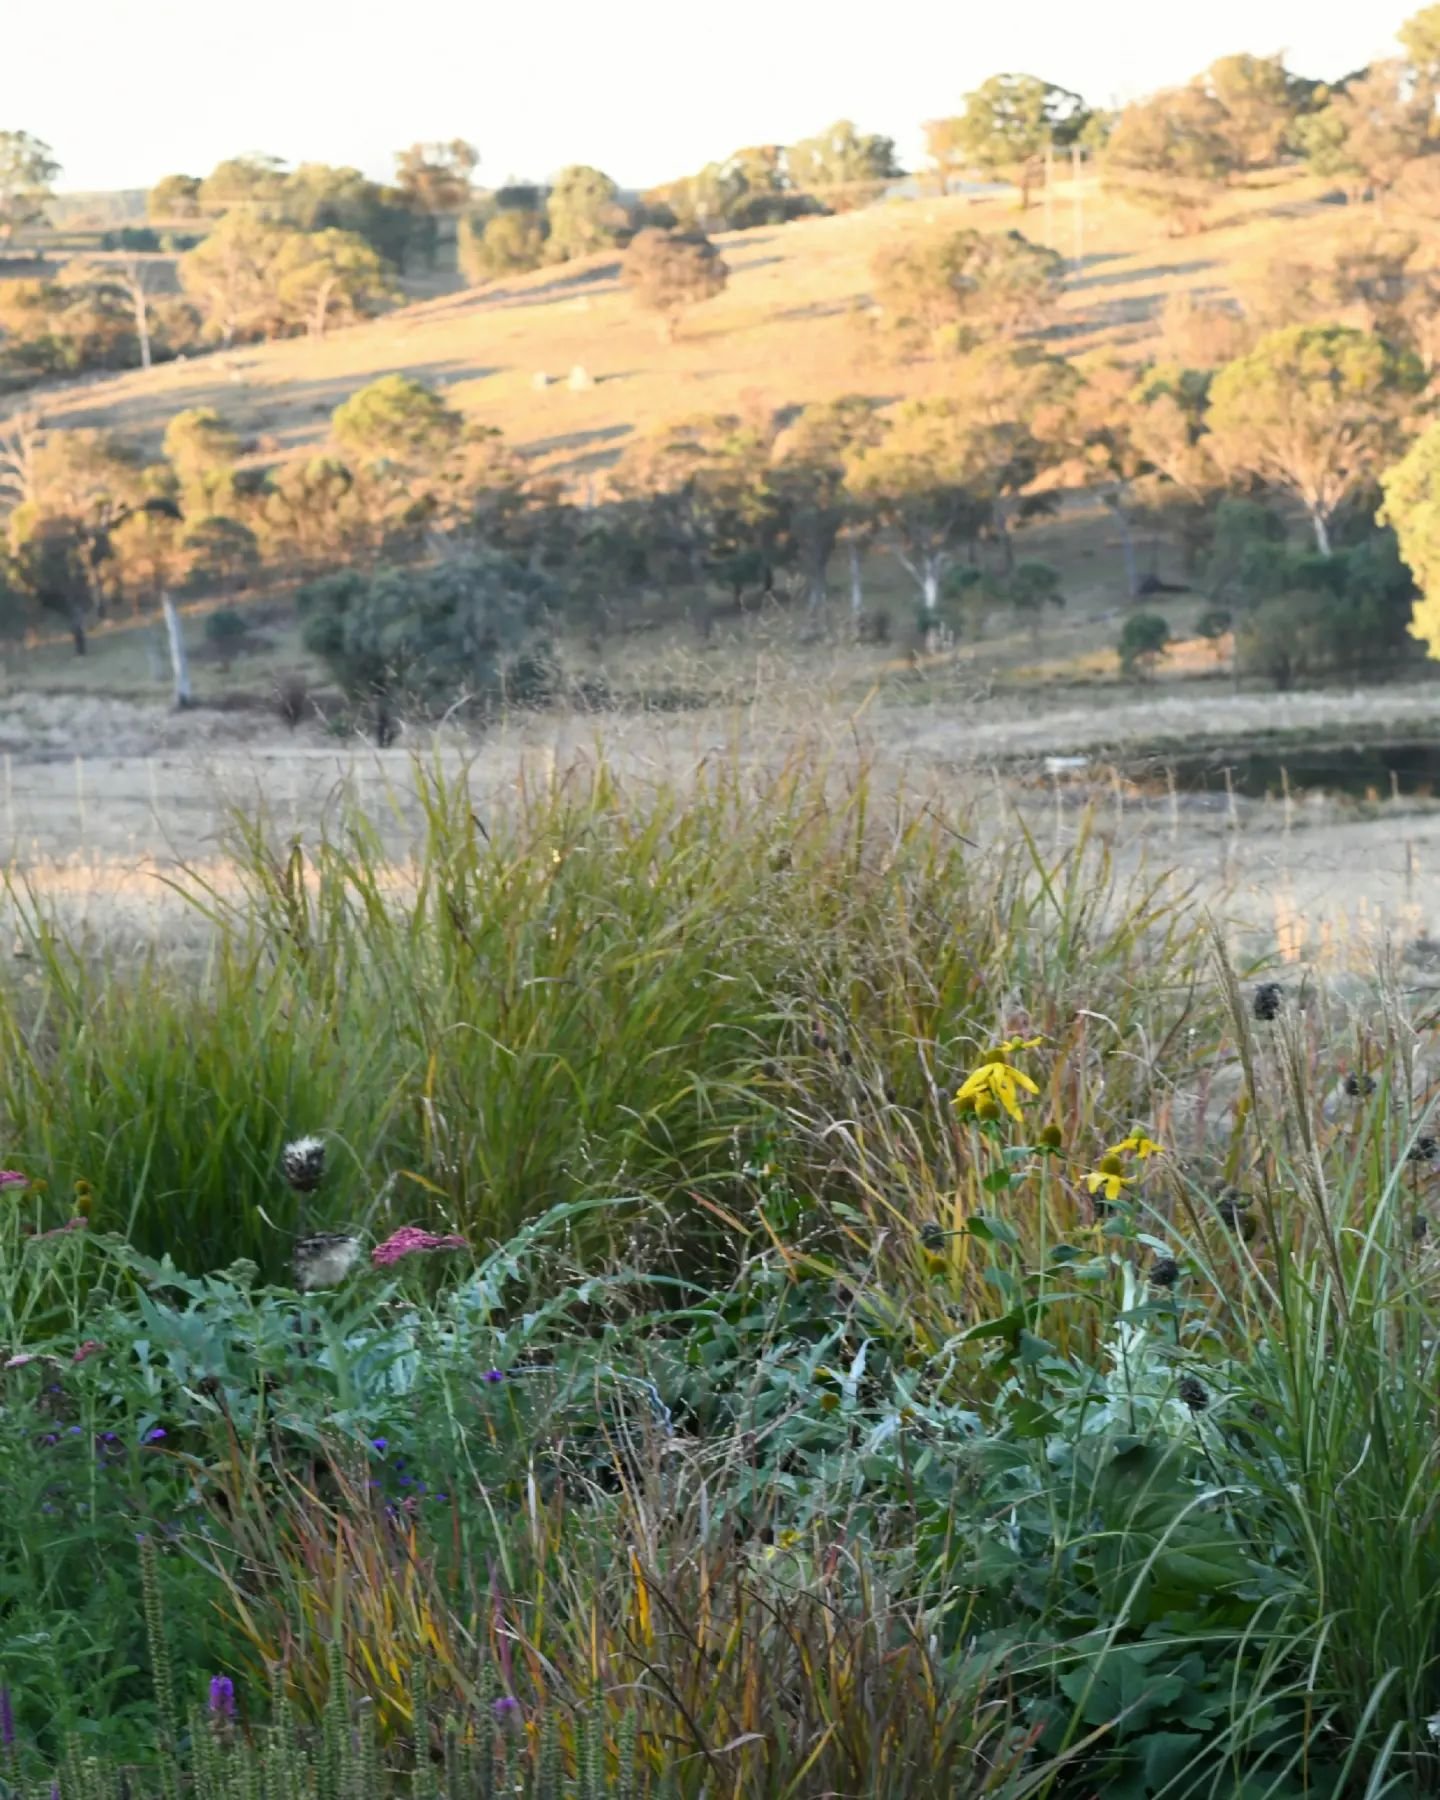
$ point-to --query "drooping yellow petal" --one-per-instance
(1011, 1045)
(1138, 1145)
(977, 1082)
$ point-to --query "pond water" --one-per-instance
(1410, 768)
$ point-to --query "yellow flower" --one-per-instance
(1137, 1144)
(997, 1081)
(1110, 1176)
(1011, 1045)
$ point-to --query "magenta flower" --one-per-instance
(409, 1240)
(61, 1230)
(91, 1347)
(11, 1178)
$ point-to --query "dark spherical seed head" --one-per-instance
(1267, 1000)
(1193, 1393)
(1419, 1227)
(1164, 1271)
(1424, 1149)
(1358, 1087)
(303, 1164)
(932, 1235)
(1051, 1138)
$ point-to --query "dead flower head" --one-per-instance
(302, 1163)
(325, 1259)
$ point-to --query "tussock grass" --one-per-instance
(616, 986)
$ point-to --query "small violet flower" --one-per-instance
(222, 1697)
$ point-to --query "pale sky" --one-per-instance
(125, 91)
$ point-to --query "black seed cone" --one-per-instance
(1267, 1000)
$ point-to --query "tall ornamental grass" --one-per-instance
(608, 987)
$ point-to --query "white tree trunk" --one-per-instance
(926, 576)
(1127, 544)
(322, 308)
(142, 324)
(179, 664)
(857, 586)
(1322, 532)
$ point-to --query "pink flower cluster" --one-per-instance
(13, 1178)
(408, 1240)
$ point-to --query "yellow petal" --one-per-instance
(977, 1082)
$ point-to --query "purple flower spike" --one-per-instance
(7, 1720)
(222, 1697)
(154, 1437)
(504, 1706)
(494, 1374)
(379, 1443)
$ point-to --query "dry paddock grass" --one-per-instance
(1320, 883)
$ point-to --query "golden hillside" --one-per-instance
(783, 332)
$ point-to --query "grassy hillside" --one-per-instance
(782, 332)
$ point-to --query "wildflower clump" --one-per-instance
(996, 1083)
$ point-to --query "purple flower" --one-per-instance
(494, 1375)
(154, 1436)
(222, 1697)
(379, 1443)
(505, 1705)
(7, 1720)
